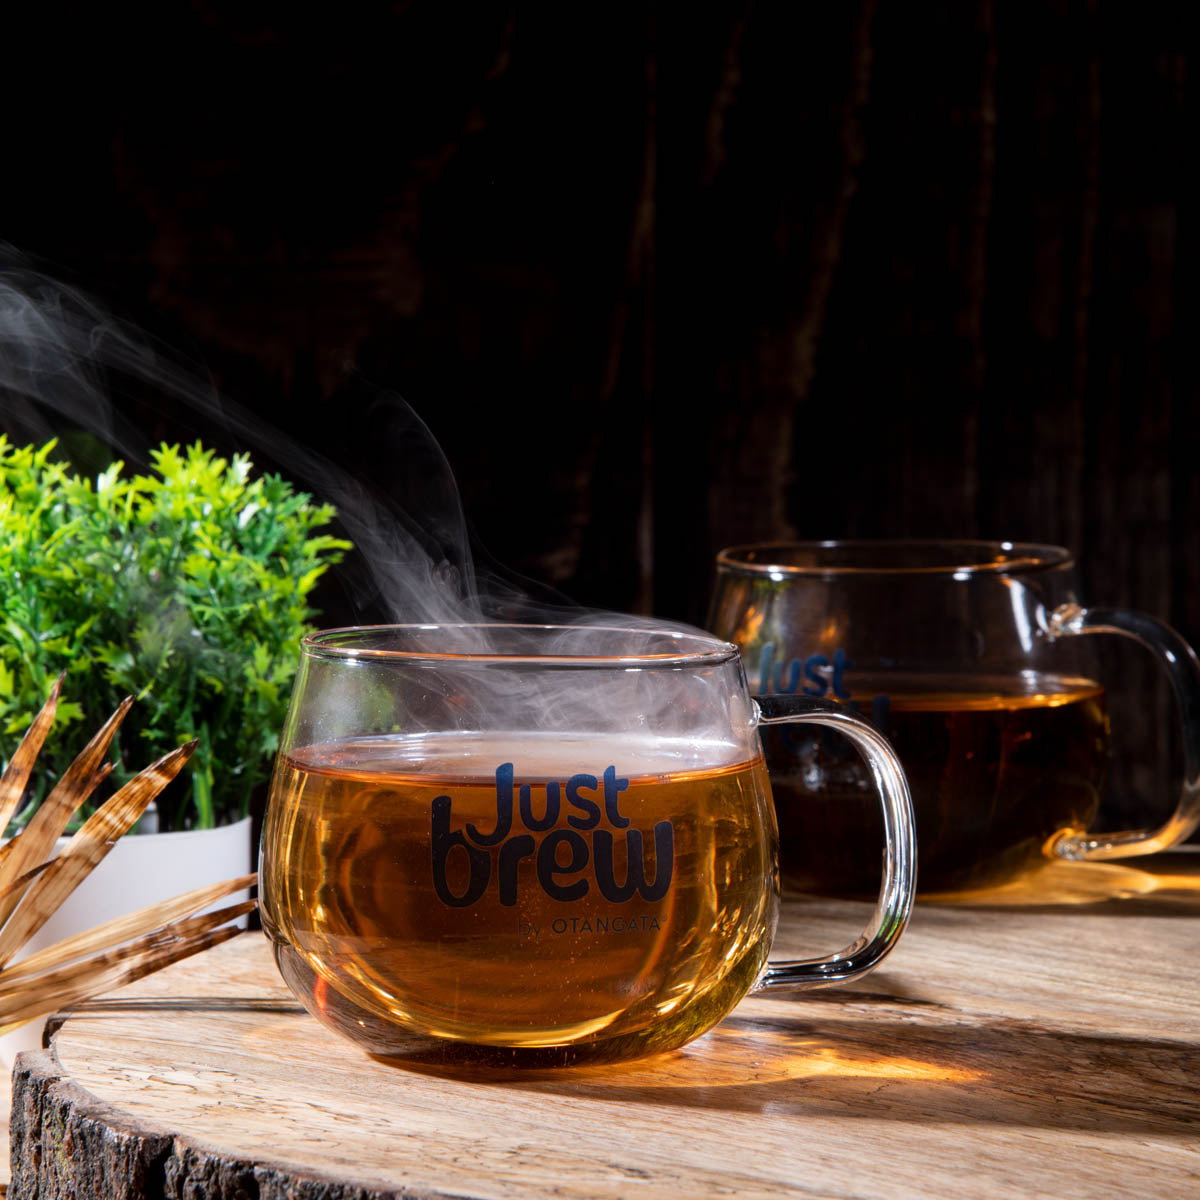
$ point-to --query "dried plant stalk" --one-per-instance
(35, 842)
(90, 983)
(45, 990)
(20, 766)
(125, 928)
(95, 838)
(22, 882)
(33, 885)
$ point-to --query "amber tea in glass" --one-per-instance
(968, 657)
(537, 845)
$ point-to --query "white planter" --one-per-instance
(139, 870)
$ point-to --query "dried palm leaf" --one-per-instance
(16, 776)
(34, 843)
(158, 917)
(34, 883)
(95, 838)
(113, 967)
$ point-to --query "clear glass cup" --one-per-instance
(540, 845)
(975, 660)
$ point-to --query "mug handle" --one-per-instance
(1183, 670)
(896, 892)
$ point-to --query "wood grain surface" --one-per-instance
(1042, 1039)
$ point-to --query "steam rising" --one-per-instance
(58, 349)
(62, 355)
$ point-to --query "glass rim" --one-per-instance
(957, 558)
(350, 643)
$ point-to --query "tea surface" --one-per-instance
(996, 765)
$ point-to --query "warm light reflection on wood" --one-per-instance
(1085, 883)
(826, 1061)
(729, 1056)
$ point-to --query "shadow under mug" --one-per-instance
(974, 659)
(540, 845)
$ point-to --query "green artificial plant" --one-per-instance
(186, 588)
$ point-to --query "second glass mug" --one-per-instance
(540, 845)
(972, 658)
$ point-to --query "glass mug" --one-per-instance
(970, 657)
(539, 845)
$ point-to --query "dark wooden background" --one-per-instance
(661, 280)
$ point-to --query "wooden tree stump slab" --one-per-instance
(1041, 1042)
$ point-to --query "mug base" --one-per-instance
(390, 1041)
